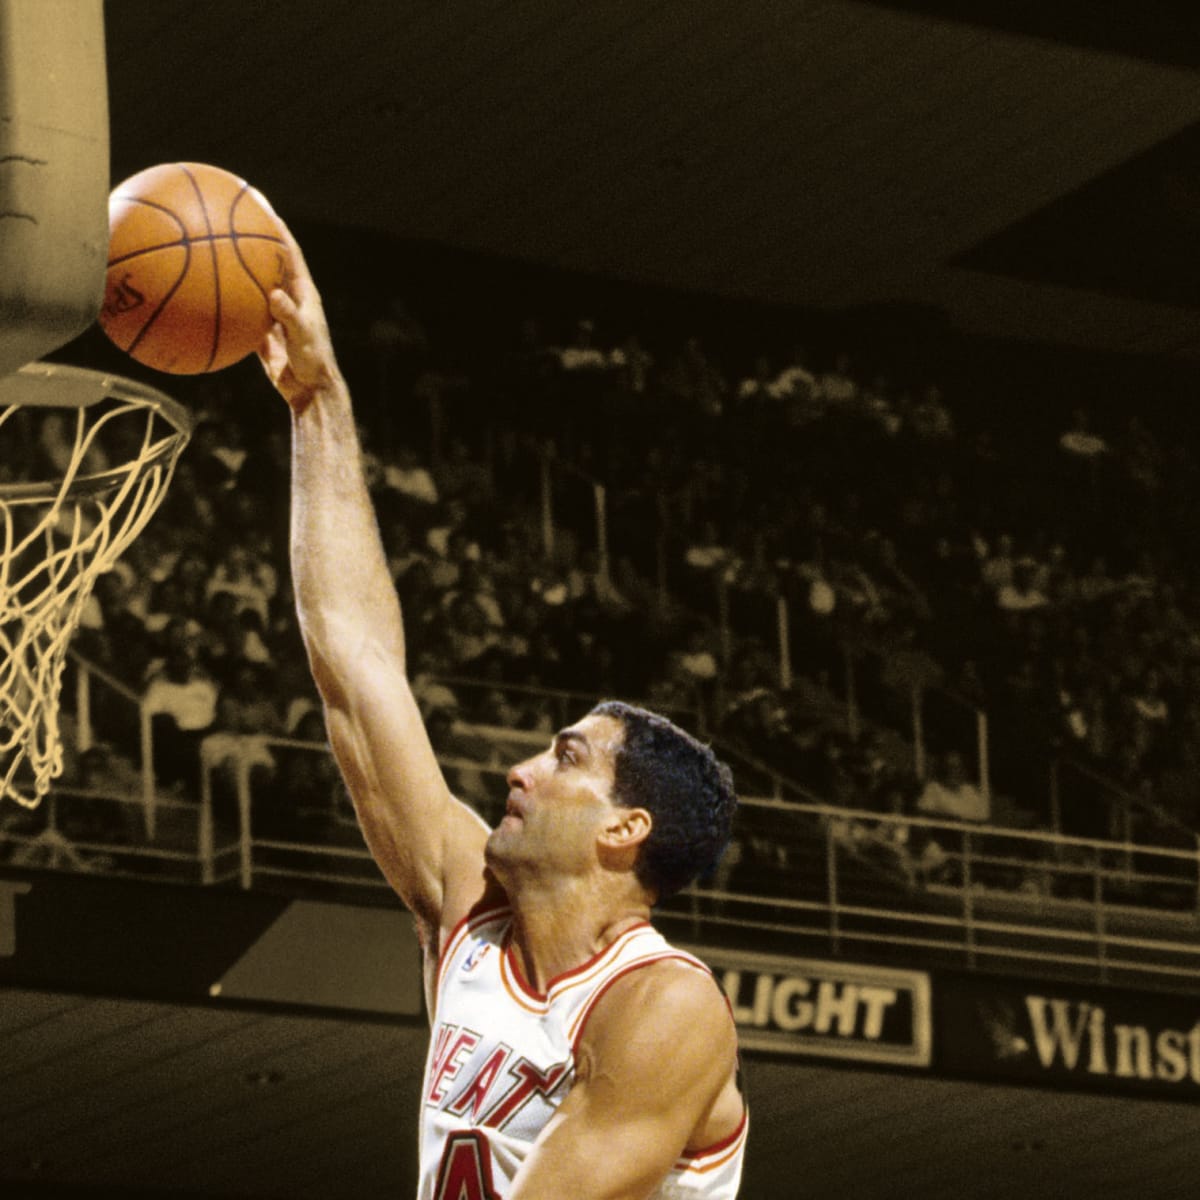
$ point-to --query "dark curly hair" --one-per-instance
(685, 788)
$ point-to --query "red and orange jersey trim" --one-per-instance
(717, 1155)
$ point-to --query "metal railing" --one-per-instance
(800, 877)
(851, 881)
(88, 679)
(878, 885)
(845, 881)
(101, 832)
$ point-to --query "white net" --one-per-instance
(85, 459)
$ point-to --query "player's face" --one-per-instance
(559, 801)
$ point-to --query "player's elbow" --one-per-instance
(344, 656)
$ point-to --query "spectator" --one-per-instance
(468, 635)
(761, 386)
(409, 478)
(949, 793)
(237, 744)
(1080, 440)
(229, 447)
(308, 795)
(582, 353)
(181, 700)
(460, 476)
(248, 576)
(999, 564)
(110, 809)
(838, 387)
(209, 459)
(930, 420)
(797, 385)
(696, 383)
(634, 364)
(402, 549)
(1021, 594)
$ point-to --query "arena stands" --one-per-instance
(875, 589)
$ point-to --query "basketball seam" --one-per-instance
(162, 208)
(188, 241)
(216, 336)
(236, 237)
(164, 302)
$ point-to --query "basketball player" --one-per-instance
(574, 1052)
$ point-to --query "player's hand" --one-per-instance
(297, 353)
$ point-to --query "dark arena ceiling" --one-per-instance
(1029, 171)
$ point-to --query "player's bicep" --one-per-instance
(428, 845)
(656, 1058)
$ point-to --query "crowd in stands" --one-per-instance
(1037, 571)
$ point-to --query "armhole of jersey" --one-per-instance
(476, 917)
(718, 1153)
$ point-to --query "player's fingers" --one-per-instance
(272, 353)
(285, 310)
(302, 281)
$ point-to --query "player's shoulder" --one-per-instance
(667, 1020)
(673, 998)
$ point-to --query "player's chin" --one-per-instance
(499, 840)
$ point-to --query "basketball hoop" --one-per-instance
(85, 459)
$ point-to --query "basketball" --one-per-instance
(193, 254)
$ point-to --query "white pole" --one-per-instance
(83, 704)
(246, 830)
(985, 773)
(149, 793)
(600, 498)
(785, 649)
(204, 833)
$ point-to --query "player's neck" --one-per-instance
(553, 934)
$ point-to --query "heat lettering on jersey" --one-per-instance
(451, 1047)
(469, 1102)
(529, 1082)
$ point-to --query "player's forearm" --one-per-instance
(574, 1156)
(584, 1178)
(339, 570)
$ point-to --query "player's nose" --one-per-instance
(518, 776)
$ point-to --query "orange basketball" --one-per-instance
(193, 253)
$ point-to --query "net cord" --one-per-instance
(83, 523)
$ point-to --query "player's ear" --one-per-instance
(626, 830)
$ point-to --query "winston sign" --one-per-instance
(1069, 1034)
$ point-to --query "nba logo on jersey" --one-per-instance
(475, 955)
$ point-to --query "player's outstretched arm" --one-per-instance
(654, 1077)
(428, 845)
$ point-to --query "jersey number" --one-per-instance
(465, 1172)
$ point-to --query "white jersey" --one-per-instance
(502, 1057)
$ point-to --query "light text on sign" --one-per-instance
(793, 1004)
